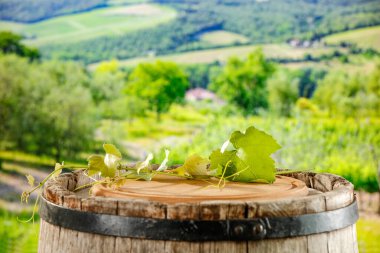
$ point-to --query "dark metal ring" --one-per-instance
(198, 230)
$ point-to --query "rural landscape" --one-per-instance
(182, 75)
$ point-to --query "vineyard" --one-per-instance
(167, 82)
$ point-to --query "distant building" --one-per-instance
(151, 54)
(296, 43)
(200, 94)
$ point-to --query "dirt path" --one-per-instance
(13, 183)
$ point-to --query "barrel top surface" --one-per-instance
(173, 189)
(293, 194)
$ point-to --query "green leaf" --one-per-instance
(58, 169)
(250, 161)
(195, 165)
(219, 160)
(96, 163)
(30, 180)
(92, 172)
(112, 161)
(112, 150)
(254, 150)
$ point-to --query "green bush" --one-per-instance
(15, 236)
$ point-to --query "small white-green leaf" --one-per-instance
(145, 163)
(112, 150)
(111, 161)
(163, 166)
(30, 180)
(224, 146)
(96, 163)
(57, 170)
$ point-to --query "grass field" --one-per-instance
(366, 37)
(355, 64)
(222, 54)
(222, 38)
(114, 20)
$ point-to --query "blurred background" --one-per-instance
(183, 74)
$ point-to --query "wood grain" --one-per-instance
(173, 189)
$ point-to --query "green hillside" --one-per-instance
(277, 51)
(220, 37)
(124, 29)
(116, 20)
(199, 23)
(365, 38)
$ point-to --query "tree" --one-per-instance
(349, 94)
(106, 86)
(13, 73)
(283, 92)
(10, 43)
(200, 74)
(243, 82)
(125, 107)
(308, 81)
(45, 108)
(159, 83)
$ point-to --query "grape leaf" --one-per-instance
(112, 158)
(96, 163)
(219, 160)
(195, 165)
(254, 150)
(30, 180)
(112, 150)
(111, 161)
(250, 161)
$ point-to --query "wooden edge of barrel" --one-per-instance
(336, 193)
(56, 188)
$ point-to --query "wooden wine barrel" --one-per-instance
(302, 212)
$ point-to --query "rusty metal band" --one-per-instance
(198, 230)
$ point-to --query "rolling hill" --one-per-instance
(365, 38)
(113, 21)
(88, 33)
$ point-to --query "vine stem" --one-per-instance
(291, 171)
(33, 213)
(44, 181)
